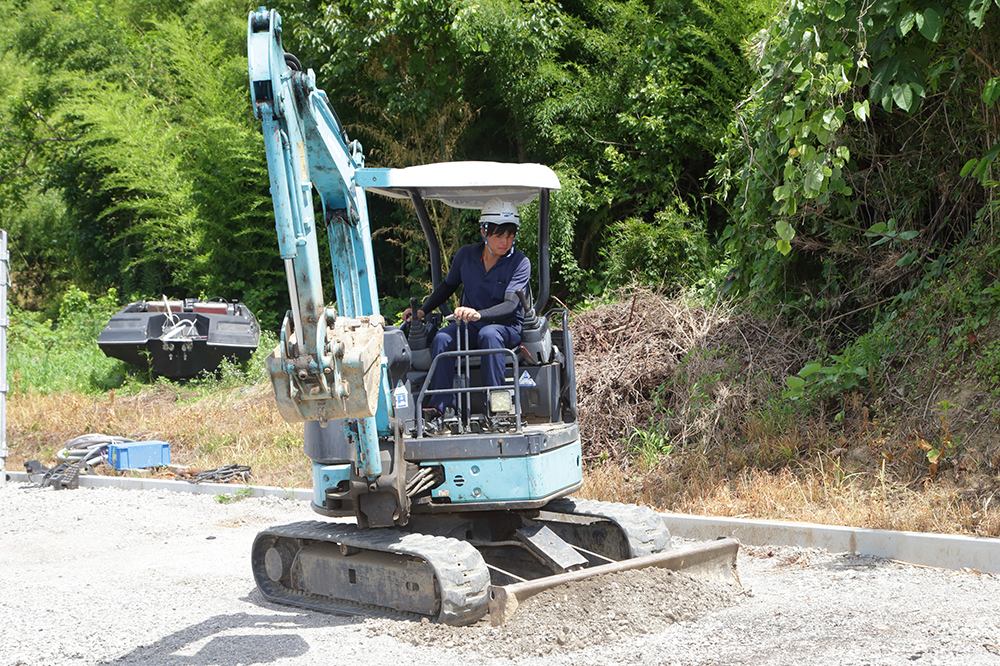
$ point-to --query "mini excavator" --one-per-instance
(449, 525)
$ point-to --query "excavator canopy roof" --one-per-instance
(461, 184)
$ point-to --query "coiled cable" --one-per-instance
(86, 448)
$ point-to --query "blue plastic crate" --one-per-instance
(136, 455)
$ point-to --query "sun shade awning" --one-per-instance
(461, 184)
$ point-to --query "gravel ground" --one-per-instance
(105, 576)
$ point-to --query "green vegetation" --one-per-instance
(850, 167)
(54, 358)
(126, 132)
(229, 498)
(130, 159)
(671, 252)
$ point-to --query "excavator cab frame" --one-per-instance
(469, 185)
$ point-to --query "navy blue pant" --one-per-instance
(481, 336)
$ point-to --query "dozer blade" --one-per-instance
(716, 560)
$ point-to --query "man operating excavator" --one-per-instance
(490, 271)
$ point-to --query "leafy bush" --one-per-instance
(626, 100)
(856, 136)
(669, 252)
(63, 356)
(138, 127)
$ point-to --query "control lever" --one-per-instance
(528, 311)
(418, 338)
(417, 329)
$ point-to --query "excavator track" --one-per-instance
(338, 568)
(643, 529)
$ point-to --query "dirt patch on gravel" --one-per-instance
(571, 617)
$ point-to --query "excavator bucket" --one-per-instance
(715, 561)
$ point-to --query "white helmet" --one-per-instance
(499, 211)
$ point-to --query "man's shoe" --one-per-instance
(433, 421)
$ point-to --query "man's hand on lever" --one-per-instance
(463, 313)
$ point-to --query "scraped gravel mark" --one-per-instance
(573, 616)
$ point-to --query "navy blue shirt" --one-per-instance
(485, 289)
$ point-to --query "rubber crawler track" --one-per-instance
(461, 573)
(644, 528)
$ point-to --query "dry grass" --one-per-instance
(236, 426)
(828, 496)
(682, 409)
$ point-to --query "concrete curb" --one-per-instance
(139, 483)
(944, 551)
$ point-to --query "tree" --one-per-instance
(844, 164)
(625, 99)
(163, 178)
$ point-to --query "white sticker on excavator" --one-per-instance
(525, 379)
(401, 396)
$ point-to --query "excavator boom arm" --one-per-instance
(329, 364)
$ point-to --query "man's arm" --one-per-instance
(447, 287)
(519, 280)
(501, 311)
(440, 294)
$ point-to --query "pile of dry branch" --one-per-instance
(648, 363)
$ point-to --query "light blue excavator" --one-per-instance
(451, 524)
